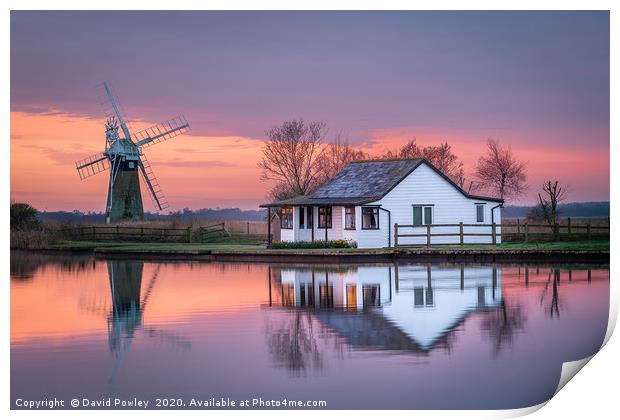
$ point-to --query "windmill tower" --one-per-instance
(124, 157)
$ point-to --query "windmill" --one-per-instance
(124, 157)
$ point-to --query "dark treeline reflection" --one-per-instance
(25, 264)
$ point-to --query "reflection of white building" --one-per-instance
(423, 302)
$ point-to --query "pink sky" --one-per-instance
(221, 171)
(536, 81)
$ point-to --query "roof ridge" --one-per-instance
(386, 160)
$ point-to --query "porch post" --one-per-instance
(314, 222)
(268, 227)
(331, 216)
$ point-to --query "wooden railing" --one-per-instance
(212, 232)
(127, 233)
(201, 234)
(495, 232)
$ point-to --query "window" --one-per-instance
(370, 217)
(423, 297)
(287, 217)
(371, 295)
(422, 215)
(325, 217)
(326, 296)
(351, 297)
(306, 295)
(310, 217)
(349, 218)
(480, 213)
(301, 217)
(288, 295)
(130, 164)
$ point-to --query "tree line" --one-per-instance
(298, 157)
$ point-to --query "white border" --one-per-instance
(593, 395)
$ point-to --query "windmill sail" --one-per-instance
(92, 165)
(157, 196)
(112, 108)
(161, 132)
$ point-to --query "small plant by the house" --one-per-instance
(338, 243)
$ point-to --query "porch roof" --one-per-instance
(303, 200)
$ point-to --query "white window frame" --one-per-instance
(423, 206)
(483, 212)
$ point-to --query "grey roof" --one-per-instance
(366, 179)
(364, 182)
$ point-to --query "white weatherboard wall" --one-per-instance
(424, 186)
(428, 323)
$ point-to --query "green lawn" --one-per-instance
(591, 245)
(240, 245)
(160, 246)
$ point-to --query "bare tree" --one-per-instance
(336, 155)
(290, 155)
(446, 161)
(409, 150)
(504, 324)
(500, 173)
(553, 194)
(442, 157)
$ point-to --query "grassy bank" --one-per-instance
(236, 245)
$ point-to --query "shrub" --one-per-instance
(24, 217)
(33, 239)
(338, 243)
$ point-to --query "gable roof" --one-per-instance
(366, 181)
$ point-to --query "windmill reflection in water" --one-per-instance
(128, 305)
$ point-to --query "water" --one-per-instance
(428, 336)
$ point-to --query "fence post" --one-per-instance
(118, 232)
(588, 230)
(94, 235)
(395, 235)
(189, 234)
(493, 235)
(248, 228)
(569, 227)
(525, 232)
(518, 227)
(428, 236)
(461, 232)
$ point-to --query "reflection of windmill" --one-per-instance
(125, 320)
(124, 156)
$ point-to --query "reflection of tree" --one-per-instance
(503, 324)
(25, 264)
(553, 308)
(294, 345)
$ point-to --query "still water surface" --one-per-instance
(430, 336)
